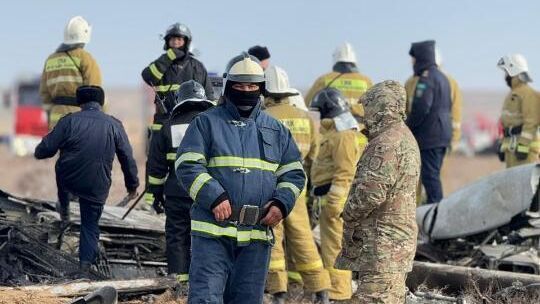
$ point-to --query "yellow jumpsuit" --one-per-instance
(521, 108)
(336, 166)
(63, 73)
(295, 229)
(351, 85)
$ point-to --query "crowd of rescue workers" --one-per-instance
(243, 177)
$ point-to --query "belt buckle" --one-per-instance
(249, 215)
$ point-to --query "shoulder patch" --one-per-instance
(420, 88)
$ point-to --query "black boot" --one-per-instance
(279, 298)
(321, 297)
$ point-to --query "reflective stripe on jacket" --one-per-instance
(253, 160)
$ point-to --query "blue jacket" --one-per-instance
(88, 141)
(430, 120)
(252, 160)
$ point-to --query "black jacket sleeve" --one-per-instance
(157, 167)
(125, 157)
(422, 103)
(53, 141)
(153, 73)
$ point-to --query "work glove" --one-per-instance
(158, 203)
(179, 54)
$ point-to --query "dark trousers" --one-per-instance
(88, 245)
(430, 173)
(178, 234)
(223, 273)
(89, 230)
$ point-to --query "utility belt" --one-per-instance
(321, 190)
(248, 215)
(65, 101)
(511, 131)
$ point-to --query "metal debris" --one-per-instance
(32, 249)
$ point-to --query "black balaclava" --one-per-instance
(508, 80)
(345, 67)
(244, 101)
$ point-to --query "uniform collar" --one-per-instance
(91, 106)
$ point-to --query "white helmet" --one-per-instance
(298, 100)
(244, 68)
(277, 81)
(513, 65)
(344, 53)
(77, 31)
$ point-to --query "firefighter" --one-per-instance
(346, 78)
(88, 141)
(520, 114)
(244, 173)
(295, 229)
(261, 53)
(165, 75)
(430, 118)
(69, 67)
(176, 66)
(331, 175)
(164, 191)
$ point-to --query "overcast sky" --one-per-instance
(301, 35)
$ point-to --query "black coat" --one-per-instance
(174, 73)
(430, 120)
(162, 154)
(88, 141)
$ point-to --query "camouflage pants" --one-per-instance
(380, 288)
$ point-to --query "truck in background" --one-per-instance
(25, 120)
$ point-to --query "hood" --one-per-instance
(345, 67)
(424, 55)
(384, 105)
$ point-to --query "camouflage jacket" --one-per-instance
(380, 228)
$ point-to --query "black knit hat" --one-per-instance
(87, 94)
(261, 52)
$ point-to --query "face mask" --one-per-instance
(243, 98)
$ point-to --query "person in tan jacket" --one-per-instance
(520, 115)
(346, 78)
(331, 175)
(68, 68)
(295, 229)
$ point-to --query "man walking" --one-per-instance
(88, 141)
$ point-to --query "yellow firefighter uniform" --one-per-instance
(296, 228)
(521, 122)
(332, 174)
(351, 85)
(64, 71)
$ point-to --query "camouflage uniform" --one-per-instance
(379, 238)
